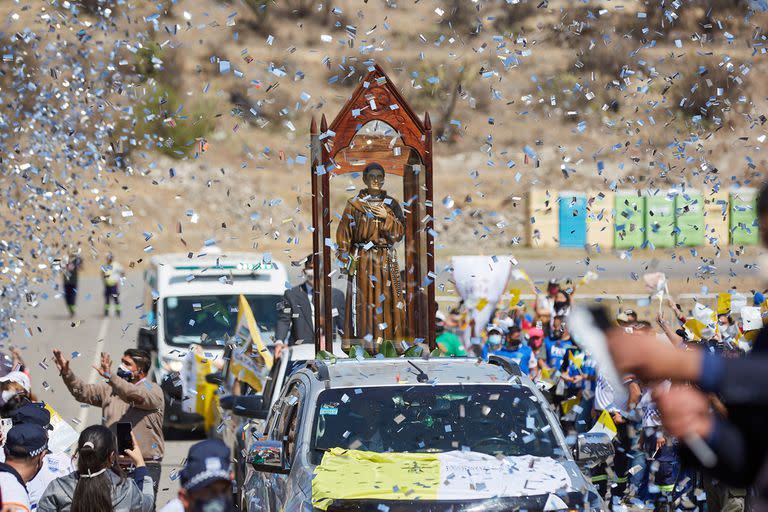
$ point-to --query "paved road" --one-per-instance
(91, 334)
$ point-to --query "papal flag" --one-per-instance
(198, 394)
(251, 359)
(604, 425)
(703, 325)
(411, 479)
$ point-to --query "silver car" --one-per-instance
(480, 416)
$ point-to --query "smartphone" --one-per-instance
(124, 441)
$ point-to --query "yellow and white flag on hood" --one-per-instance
(358, 475)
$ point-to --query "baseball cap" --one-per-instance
(207, 462)
(535, 332)
(26, 440)
(494, 328)
(20, 378)
(33, 413)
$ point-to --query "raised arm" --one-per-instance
(91, 394)
(145, 395)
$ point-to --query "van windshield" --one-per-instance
(206, 319)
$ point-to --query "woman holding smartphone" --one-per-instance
(99, 484)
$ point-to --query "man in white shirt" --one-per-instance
(25, 450)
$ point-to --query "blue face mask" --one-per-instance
(494, 339)
(217, 504)
(124, 373)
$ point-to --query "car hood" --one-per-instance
(455, 481)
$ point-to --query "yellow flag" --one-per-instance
(244, 313)
(723, 303)
(578, 360)
(481, 304)
(606, 420)
(514, 297)
(204, 392)
(567, 405)
(604, 425)
(695, 327)
(250, 362)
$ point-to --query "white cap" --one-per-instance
(20, 378)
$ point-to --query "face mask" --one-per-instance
(556, 334)
(7, 395)
(494, 339)
(217, 504)
(561, 304)
(309, 275)
(514, 344)
(124, 373)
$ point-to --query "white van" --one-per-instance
(192, 299)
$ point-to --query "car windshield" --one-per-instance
(506, 420)
(206, 319)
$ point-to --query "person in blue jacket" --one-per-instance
(493, 343)
(515, 350)
(558, 343)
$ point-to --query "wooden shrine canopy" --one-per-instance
(376, 125)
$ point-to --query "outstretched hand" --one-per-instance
(62, 363)
(105, 368)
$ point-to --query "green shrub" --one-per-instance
(708, 88)
(170, 129)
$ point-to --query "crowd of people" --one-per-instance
(683, 383)
(648, 469)
(99, 474)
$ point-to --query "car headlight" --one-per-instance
(172, 365)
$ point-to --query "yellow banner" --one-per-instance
(251, 361)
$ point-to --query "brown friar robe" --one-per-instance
(374, 301)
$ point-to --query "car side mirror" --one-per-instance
(268, 456)
(147, 339)
(216, 378)
(248, 406)
(592, 448)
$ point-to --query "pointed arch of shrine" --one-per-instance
(376, 98)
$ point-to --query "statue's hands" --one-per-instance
(379, 211)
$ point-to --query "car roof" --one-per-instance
(400, 371)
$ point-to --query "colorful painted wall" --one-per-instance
(628, 219)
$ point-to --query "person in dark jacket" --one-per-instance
(296, 318)
(70, 274)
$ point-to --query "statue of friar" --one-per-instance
(370, 227)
